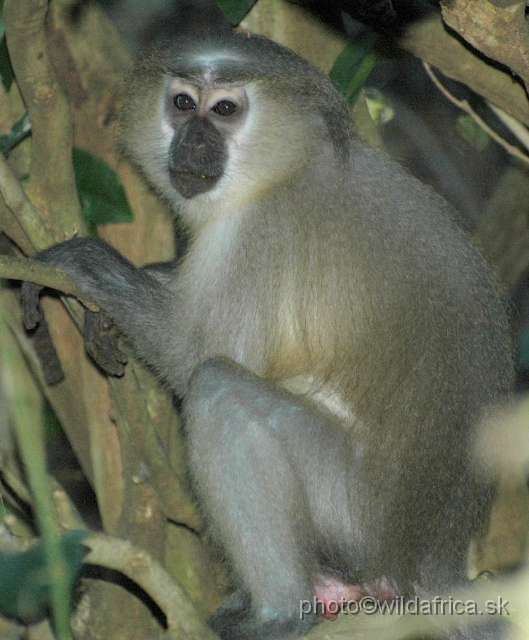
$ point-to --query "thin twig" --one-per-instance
(465, 106)
(51, 183)
(35, 228)
(145, 571)
(43, 274)
(515, 126)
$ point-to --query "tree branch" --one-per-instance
(497, 29)
(465, 106)
(141, 568)
(429, 41)
(173, 500)
(37, 232)
(51, 184)
(43, 274)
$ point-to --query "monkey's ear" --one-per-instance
(102, 343)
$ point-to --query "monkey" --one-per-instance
(332, 332)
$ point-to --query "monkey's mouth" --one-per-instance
(190, 184)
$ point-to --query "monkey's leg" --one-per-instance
(263, 463)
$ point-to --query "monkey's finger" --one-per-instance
(29, 299)
(101, 340)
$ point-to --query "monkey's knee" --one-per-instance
(211, 374)
(222, 390)
(216, 374)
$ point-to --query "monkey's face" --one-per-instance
(215, 121)
(202, 120)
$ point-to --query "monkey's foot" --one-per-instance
(276, 629)
(234, 620)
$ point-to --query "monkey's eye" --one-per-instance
(184, 102)
(225, 108)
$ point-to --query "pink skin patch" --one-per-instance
(334, 593)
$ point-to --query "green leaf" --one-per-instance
(100, 191)
(6, 70)
(20, 130)
(235, 10)
(352, 67)
(25, 581)
(470, 130)
(51, 424)
(379, 106)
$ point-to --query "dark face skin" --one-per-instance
(203, 119)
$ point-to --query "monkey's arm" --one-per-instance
(101, 335)
(131, 298)
(164, 272)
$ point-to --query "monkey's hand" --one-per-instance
(101, 338)
(100, 334)
(104, 276)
